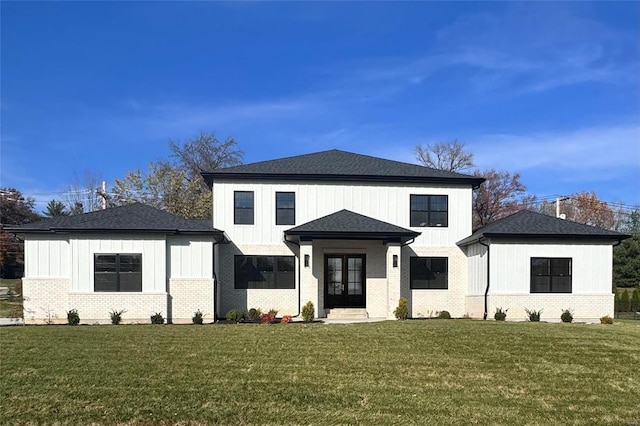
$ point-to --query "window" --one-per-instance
(285, 208)
(429, 273)
(550, 275)
(264, 272)
(429, 210)
(243, 207)
(117, 272)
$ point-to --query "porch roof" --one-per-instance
(347, 225)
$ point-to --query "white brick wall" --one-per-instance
(187, 295)
(95, 307)
(45, 299)
(585, 307)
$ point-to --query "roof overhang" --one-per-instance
(218, 236)
(384, 237)
(541, 237)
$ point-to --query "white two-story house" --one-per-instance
(348, 232)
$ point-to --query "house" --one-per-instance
(350, 233)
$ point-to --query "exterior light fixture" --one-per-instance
(395, 260)
(306, 260)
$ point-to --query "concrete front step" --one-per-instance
(347, 314)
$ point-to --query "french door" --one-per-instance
(344, 281)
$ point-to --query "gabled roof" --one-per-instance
(528, 224)
(335, 165)
(346, 224)
(135, 218)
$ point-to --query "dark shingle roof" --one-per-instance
(130, 218)
(339, 165)
(346, 224)
(528, 224)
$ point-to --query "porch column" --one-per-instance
(393, 278)
(308, 284)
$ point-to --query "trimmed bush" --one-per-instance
(534, 316)
(606, 320)
(286, 319)
(402, 311)
(308, 312)
(236, 315)
(72, 317)
(500, 315)
(254, 314)
(197, 317)
(157, 318)
(567, 315)
(625, 304)
(444, 315)
(273, 311)
(268, 318)
(616, 301)
(116, 316)
(635, 300)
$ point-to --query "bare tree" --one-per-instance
(497, 197)
(84, 191)
(448, 156)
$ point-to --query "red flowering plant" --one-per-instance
(286, 319)
(268, 318)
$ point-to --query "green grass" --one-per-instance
(416, 372)
(11, 308)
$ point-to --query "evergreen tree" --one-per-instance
(624, 302)
(55, 209)
(635, 300)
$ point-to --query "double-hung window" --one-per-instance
(243, 207)
(550, 275)
(118, 272)
(285, 208)
(429, 210)
(429, 273)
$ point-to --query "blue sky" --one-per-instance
(550, 90)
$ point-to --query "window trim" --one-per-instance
(236, 208)
(428, 211)
(550, 275)
(286, 208)
(117, 272)
(274, 259)
(411, 278)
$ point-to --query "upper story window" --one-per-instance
(285, 208)
(429, 273)
(243, 207)
(551, 275)
(117, 272)
(429, 210)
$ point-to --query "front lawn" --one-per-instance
(415, 372)
(11, 308)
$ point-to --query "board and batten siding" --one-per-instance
(190, 257)
(477, 262)
(511, 266)
(152, 248)
(47, 257)
(386, 202)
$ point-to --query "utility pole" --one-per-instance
(558, 199)
(103, 194)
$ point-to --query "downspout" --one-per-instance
(486, 291)
(215, 281)
(284, 240)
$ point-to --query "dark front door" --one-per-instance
(344, 281)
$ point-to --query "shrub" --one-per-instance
(500, 315)
(635, 300)
(308, 312)
(534, 316)
(254, 314)
(567, 315)
(72, 317)
(236, 315)
(402, 311)
(444, 315)
(268, 318)
(624, 301)
(286, 319)
(197, 317)
(157, 318)
(606, 320)
(273, 311)
(616, 301)
(116, 316)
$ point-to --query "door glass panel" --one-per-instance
(334, 275)
(355, 276)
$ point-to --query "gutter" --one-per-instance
(486, 291)
(224, 240)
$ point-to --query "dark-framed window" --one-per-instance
(551, 274)
(264, 272)
(429, 210)
(285, 208)
(243, 207)
(429, 273)
(117, 272)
